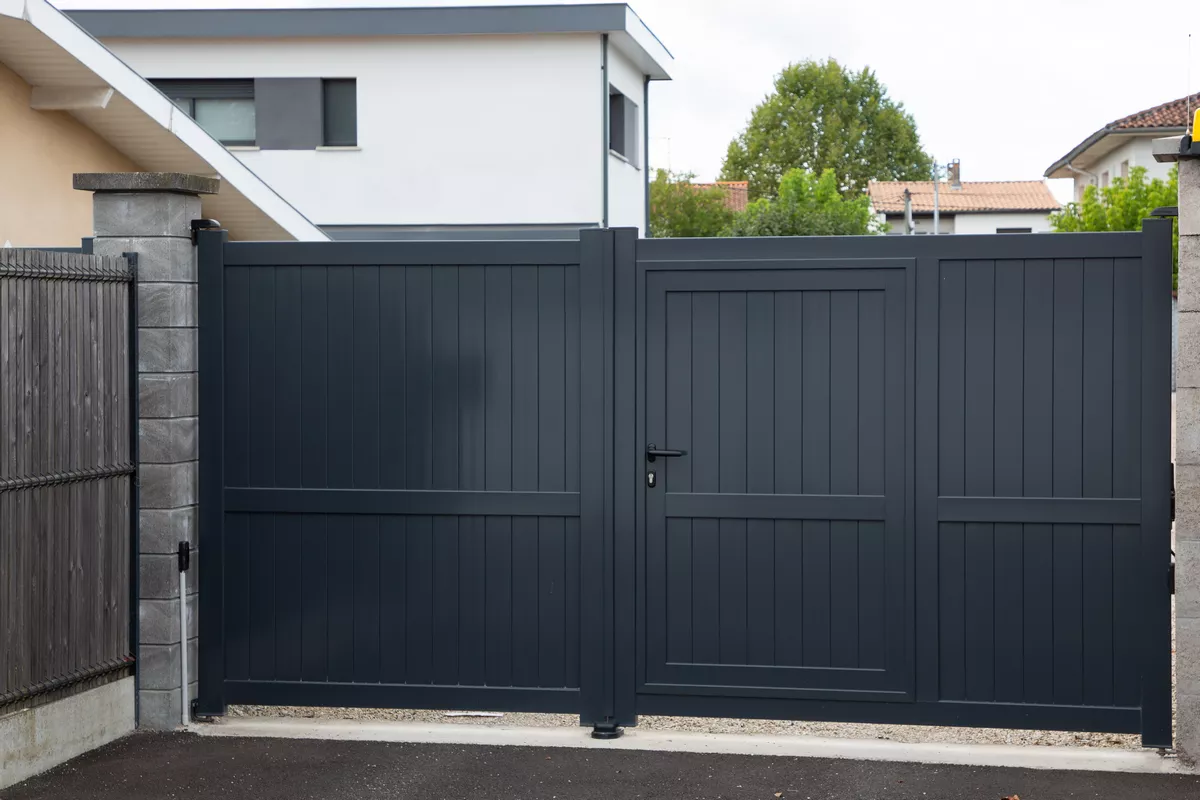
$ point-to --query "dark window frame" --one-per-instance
(330, 136)
(1014, 230)
(188, 91)
(623, 136)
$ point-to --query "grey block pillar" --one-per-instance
(150, 214)
(1187, 457)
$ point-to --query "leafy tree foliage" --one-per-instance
(822, 116)
(1122, 206)
(680, 208)
(807, 206)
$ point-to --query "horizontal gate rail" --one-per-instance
(1046, 510)
(384, 501)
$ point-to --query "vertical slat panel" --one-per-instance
(289, 591)
(705, 461)
(393, 611)
(498, 379)
(340, 574)
(418, 380)
(572, 590)
(1038, 481)
(1009, 436)
(445, 600)
(341, 389)
(498, 591)
(951, 466)
(392, 389)
(815, 578)
(844, 400)
(872, 634)
(731, 411)
(1068, 479)
(525, 410)
(445, 378)
(419, 600)
(314, 603)
(314, 347)
(551, 360)
(1098, 393)
(472, 377)
(366, 361)
(1127, 478)
(289, 331)
(679, 476)
(551, 601)
(237, 377)
(237, 597)
(472, 668)
(760, 475)
(367, 580)
(573, 359)
(526, 592)
(979, 348)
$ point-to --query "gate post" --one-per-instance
(1187, 449)
(151, 214)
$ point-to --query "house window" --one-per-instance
(339, 112)
(1104, 179)
(623, 126)
(1125, 168)
(1014, 230)
(224, 108)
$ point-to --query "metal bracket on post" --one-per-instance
(200, 225)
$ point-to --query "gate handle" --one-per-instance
(652, 454)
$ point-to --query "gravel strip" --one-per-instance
(896, 733)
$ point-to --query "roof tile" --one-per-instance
(888, 196)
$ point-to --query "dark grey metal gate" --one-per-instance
(907, 479)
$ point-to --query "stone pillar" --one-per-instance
(1187, 456)
(150, 214)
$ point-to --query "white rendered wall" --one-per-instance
(1137, 150)
(626, 183)
(1038, 222)
(465, 130)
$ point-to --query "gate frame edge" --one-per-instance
(1156, 457)
(210, 265)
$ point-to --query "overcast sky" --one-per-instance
(1006, 87)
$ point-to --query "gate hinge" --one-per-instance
(1171, 574)
(185, 556)
(1172, 491)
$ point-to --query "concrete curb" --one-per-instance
(1028, 757)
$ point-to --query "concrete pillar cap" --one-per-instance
(173, 182)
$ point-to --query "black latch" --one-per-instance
(201, 225)
(1172, 491)
(185, 556)
(1171, 574)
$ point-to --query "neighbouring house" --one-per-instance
(1123, 144)
(737, 193)
(965, 207)
(68, 105)
(484, 122)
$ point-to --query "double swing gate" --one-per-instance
(906, 480)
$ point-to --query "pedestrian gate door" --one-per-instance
(892, 479)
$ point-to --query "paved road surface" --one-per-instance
(186, 767)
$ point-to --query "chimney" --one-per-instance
(954, 170)
(908, 217)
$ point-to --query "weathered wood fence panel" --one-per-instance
(66, 471)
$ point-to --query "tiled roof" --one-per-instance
(1167, 115)
(737, 193)
(1162, 119)
(888, 196)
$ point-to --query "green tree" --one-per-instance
(807, 206)
(680, 208)
(1121, 207)
(821, 117)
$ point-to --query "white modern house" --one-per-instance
(68, 105)
(964, 207)
(522, 121)
(1123, 144)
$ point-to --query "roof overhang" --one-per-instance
(1099, 144)
(625, 28)
(54, 55)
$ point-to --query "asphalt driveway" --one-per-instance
(187, 767)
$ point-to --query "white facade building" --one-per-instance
(521, 121)
(967, 207)
(1123, 144)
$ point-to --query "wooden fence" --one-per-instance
(67, 474)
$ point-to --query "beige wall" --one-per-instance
(39, 151)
